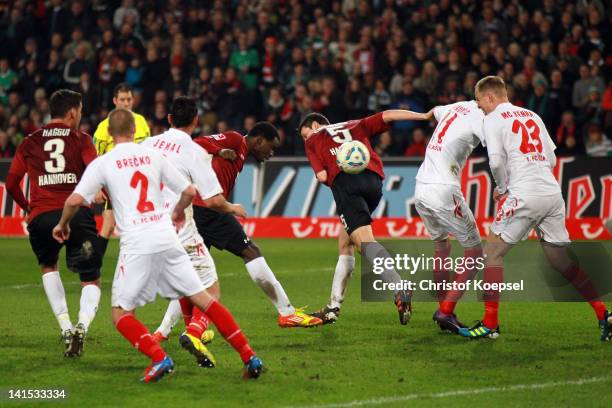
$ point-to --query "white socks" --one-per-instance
(263, 276)
(90, 298)
(57, 298)
(344, 271)
(173, 314)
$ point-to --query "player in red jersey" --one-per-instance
(223, 231)
(356, 196)
(55, 157)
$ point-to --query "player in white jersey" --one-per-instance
(151, 258)
(194, 163)
(522, 159)
(440, 202)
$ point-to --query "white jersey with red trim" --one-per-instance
(194, 163)
(132, 175)
(458, 132)
(521, 152)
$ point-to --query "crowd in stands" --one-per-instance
(276, 60)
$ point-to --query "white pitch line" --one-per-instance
(34, 285)
(38, 285)
(411, 397)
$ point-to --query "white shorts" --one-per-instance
(139, 278)
(444, 211)
(200, 259)
(518, 215)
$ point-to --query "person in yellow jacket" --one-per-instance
(123, 97)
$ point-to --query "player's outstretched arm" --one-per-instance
(220, 204)
(394, 115)
(61, 232)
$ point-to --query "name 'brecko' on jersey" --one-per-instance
(458, 132)
(194, 163)
(519, 137)
(132, 175)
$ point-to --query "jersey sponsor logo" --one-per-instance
(57, 178)
(133, 162)
(55, 132)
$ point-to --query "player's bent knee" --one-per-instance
(48, 268)
(251, 252)
(95, 282)
(90, 277)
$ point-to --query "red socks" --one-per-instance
(229, 329)
(439, 273)
(198, 323)
(492, 274)
(186, 308)
(447, 306)
(581, 281)
(137, 334)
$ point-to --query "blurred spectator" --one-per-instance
(8, 78)
(418, 145)
(280, 59)
(356, 100)
(126, 11)
(597, 145)
(7, 148)
(380, 98)
(383, 145)
(567, 137)
(246, 61)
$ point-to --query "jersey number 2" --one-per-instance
(530, 136)
(143, 204)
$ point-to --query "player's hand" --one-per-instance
(178, 219)
(322, 176)
(227, 154)
(239, 211)
(99, 198)
(429, 115)
(497, 196)
(61, 233)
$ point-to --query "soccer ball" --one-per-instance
(353, 157)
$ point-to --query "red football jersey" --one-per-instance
(323, 144)
(227, 171)
(55, 158)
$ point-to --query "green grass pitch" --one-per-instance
(548, 355)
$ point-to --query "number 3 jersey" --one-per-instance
(133, 177)
(520, 141)
(458, 132)
(54, 157)
(322, 146)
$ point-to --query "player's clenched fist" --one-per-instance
(178, 218)
(61, 233)
(238, 210)
(227, 154)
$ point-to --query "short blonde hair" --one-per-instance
(494, 84)
(121, 123)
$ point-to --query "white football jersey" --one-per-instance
(193, 162)
(519, 138)
(133, 176)
(458, 132)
